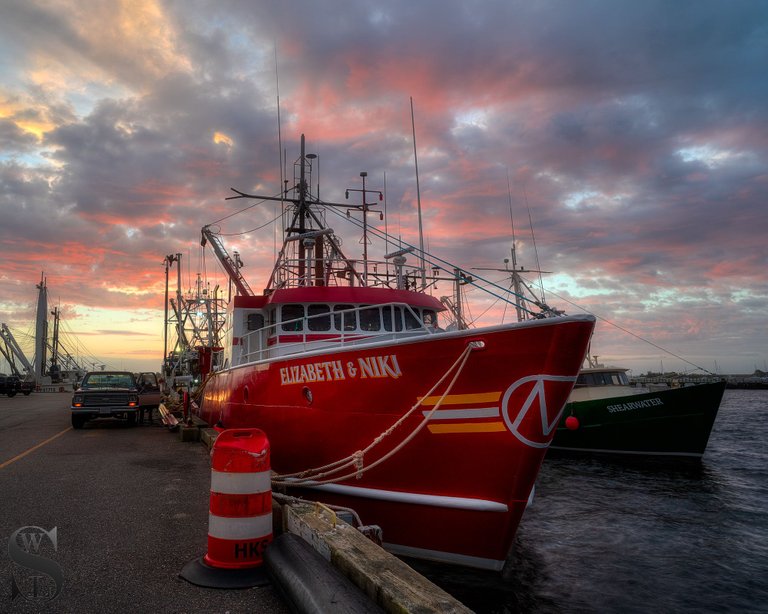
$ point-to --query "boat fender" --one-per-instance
(572, 423)
(311, 584)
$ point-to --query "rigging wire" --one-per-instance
(535, 249)
(489, 283)
(491, 306)
(632, 334)
(234, 213)
(264, 225)
(437, 262)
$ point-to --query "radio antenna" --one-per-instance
(280, 148)
(418, 201)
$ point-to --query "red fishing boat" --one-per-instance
(434, 433)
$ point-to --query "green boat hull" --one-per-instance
(669, 422)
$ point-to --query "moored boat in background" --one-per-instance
(434, 433)
(606, 415)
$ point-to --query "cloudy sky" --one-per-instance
(634, 135)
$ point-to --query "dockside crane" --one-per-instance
(231, 266)
(11, 351)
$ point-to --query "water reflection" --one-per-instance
(637, 535)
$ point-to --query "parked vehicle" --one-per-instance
(11, 385)
(105, 394)
(149, 390)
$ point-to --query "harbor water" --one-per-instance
(641, 536)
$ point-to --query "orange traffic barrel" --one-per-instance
(240, 513)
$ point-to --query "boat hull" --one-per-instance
(673, 422)
(451, 482)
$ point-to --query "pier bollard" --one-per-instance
(240, 513)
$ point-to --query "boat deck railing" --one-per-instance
(296, 273)
(274, 340)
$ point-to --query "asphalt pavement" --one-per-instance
(127, 508)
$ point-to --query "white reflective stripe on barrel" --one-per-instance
(240, 528)
(241, 483)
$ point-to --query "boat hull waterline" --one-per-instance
(457, 490)
(672, 422)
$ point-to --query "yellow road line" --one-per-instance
(467, 427)
(33, 448)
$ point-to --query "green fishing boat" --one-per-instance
(606, 415)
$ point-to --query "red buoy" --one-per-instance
(572, 423)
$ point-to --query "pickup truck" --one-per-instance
(11, 385)
(105, 394)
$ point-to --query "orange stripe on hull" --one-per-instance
(460, 399)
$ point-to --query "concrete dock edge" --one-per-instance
(389, 582)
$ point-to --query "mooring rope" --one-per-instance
(356, 459)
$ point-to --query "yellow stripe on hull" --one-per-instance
(467, 427)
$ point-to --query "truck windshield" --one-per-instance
(109, 380)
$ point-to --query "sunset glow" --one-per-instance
(638, 151)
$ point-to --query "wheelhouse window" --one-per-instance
(430, 318)
(613, 378)
(319, 317)
(343, 318)
(411, 321)
(370, 319)
(292, 316)
(393, 318)
(620, 379)
(255, 321)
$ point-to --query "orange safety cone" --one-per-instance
(240, 513)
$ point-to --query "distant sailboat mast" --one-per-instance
(516, 282)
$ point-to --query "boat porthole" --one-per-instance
(307, 394)
(245, 394)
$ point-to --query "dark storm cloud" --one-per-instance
(13, 139)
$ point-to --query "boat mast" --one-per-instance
(363, 175)
(518, 286)
(516, 281)
(365, 208)
(41, 327)
(422, 264)
(55, 341)
(302, 213)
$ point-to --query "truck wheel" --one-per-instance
(27, 393)
(78, 422)
(131, 418)
(11, 394)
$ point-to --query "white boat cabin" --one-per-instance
(298, 320)
(601, 383)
